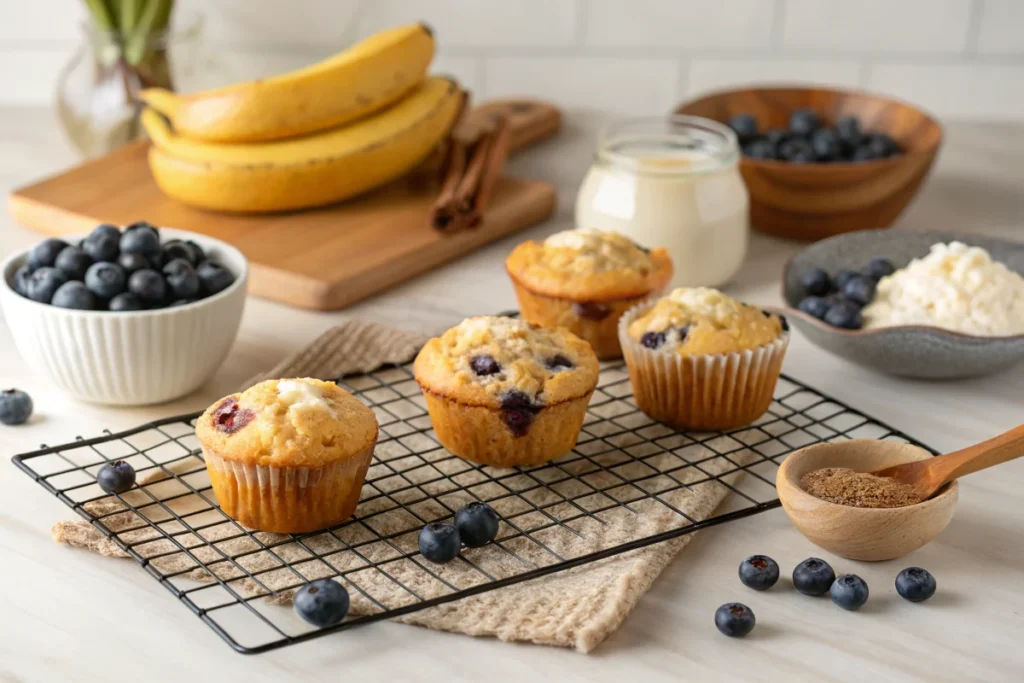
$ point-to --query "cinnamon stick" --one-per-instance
(497, 154)
(470, 184)
(445, 210)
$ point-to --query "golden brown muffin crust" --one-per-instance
(589, 265)
(482, 359)
(288, 423)
(696, 321)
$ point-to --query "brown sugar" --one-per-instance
(859, 489)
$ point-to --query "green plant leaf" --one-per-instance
(154, 18)
(102, 15)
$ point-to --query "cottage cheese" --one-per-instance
(955, 287)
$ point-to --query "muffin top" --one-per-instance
(494, 362)
(288, 423)
(589, 265)
(696, 321)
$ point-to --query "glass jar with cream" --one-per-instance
(671, 182)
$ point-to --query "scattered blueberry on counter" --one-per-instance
(734, 619)
(915, 584)
(114, 270)
(838, 300)
(15, 407)
(813, 576)
(808, 139)
(759, 572)
(439, 542)
(477, 524)
(849, 591)
(322, 603)
(116, 477)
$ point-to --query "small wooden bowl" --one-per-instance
(812, 201)
(861, 533)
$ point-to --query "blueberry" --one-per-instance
(126, 302)
(15, 407)
(518, 411)
(863, 153)
(826, 145)
(149, 286)
(477, 524)
(877, 268)
(796, 151)
(73, 262)
(915, 584)
(133, 262)
(116, 477)
(213, 278)
(439, 542)
(322, 603)
(759, 572)
(484, 365)
(140, 240)
(105, 280)
(845, 314)
(842, 277)
(181, 302)
(591, 310)
(683, 332)
(813, 576)
(760, 148)
(652, 340)
(104, 230)
(182, 279)
(859, 289)
(229, 417)
(882, 145)
(848, 129)
(849, 591)
(179, 249)
(558, 362)
(745, 127)
(75, 295)
(43, 283)
(814, 305)
(21, 277)
(775, 138)
(142, 225)
(45, 253)
(734, 619)
(816, 282)
(803, 122)
(101, 249)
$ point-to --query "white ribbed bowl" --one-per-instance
(135, 357)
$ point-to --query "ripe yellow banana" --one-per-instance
(350, 85)
(304, 172)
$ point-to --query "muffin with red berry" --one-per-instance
(288, 455)
(502, 392)
(699, 359)
(584, 280)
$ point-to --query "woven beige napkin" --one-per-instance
(576, 608)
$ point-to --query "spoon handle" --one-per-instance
(996, 450)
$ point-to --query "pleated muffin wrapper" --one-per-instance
(709, 392)
(288, 499)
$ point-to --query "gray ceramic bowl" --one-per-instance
(908, 351)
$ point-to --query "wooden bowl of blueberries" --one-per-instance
(819, 162)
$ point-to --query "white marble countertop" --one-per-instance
(70, 615)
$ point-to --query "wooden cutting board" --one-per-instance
(322, 259)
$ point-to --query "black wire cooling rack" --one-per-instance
(630, 482)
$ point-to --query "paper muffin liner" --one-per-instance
(479, 433)
(602, 335)
(709, 392)
(288, 499)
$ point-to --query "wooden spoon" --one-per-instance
(928, 476)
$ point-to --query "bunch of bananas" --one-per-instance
(315, 136)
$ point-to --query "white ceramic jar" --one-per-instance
(671, 182)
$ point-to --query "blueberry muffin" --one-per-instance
(584, 280)
(288, 455)
(501, 392)
(699, 359)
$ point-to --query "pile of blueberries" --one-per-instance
(838, 300)
(809, 140)
(111, 270)
(814, 576)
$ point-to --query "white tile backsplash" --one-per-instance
(870, 26)
(680, 24)
(961, 58)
